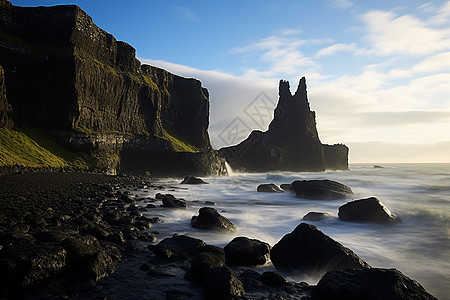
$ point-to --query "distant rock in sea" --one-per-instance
(291, 143)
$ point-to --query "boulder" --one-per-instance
(87, 259)
(369, 284)
(180, 244)
(172, 202)
(273, 278)
(201, 263)
(316, 216)
(285, 186)
(320, 189)
(30, 264)
(242, 251)
(193, 180)
(209, 219)
(222, 283)
(308, 251)
(269, 188)
(369, 210)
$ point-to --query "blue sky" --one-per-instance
(378, 72)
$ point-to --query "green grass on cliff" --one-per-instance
(30, 147)
(177, 144)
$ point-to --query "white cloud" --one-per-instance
(442, 15)
(404, 35)
(333, 49)
(281, 53)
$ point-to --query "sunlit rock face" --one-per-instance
(66, 75)
(291, 143)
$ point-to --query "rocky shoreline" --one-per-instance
(83, 236)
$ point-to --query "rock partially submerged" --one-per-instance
(193, 180)
(242, 251)
(209, 219)
(171, 201)
(320, 189)
(269, 188)
(308, 251)
(369, 210)
(316, 216)
(370, 284)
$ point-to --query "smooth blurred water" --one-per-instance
(418, 193)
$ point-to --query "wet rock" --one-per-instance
(316, 216)
(367, 210)
(25, 265)
(126, 199)
(87, 259)
(286, 186)
(308, 251)
(273, 279)
(210, 219)
(210, 203)
(269, 188)
(222, 283)
(174, 203)
(201, 263)
(320, 189)
(369, 284)
(242, 251)
(181, 244)
(193, 180)
(156, 220)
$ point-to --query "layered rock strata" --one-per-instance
(66, 75)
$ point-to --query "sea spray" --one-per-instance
(416, 193)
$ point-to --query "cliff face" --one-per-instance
(291, 143)
(69, 77)
(5, 107)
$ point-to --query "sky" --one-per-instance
(377, 72)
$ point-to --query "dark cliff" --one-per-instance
(67, 76)
(5, 107)
(291, 143)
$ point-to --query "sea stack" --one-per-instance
(291, 143)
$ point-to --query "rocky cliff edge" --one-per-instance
(88, 91)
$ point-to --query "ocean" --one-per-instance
(418, 193)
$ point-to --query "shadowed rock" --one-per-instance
(210, 219)
(320, 189)
(242, 251)
(316, 216)
(307, 250)
(291, 143)
(369, 284)
(222, 283)
(369, 210)
(193, 180)
(269, 188)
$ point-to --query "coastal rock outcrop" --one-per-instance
(320, 189)
(369, 210)
(369, 284)
(88, 91)
(307, 250)
(5, 107)
(269, 188)
(242, 251)
(291, 143)
(209, 219)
